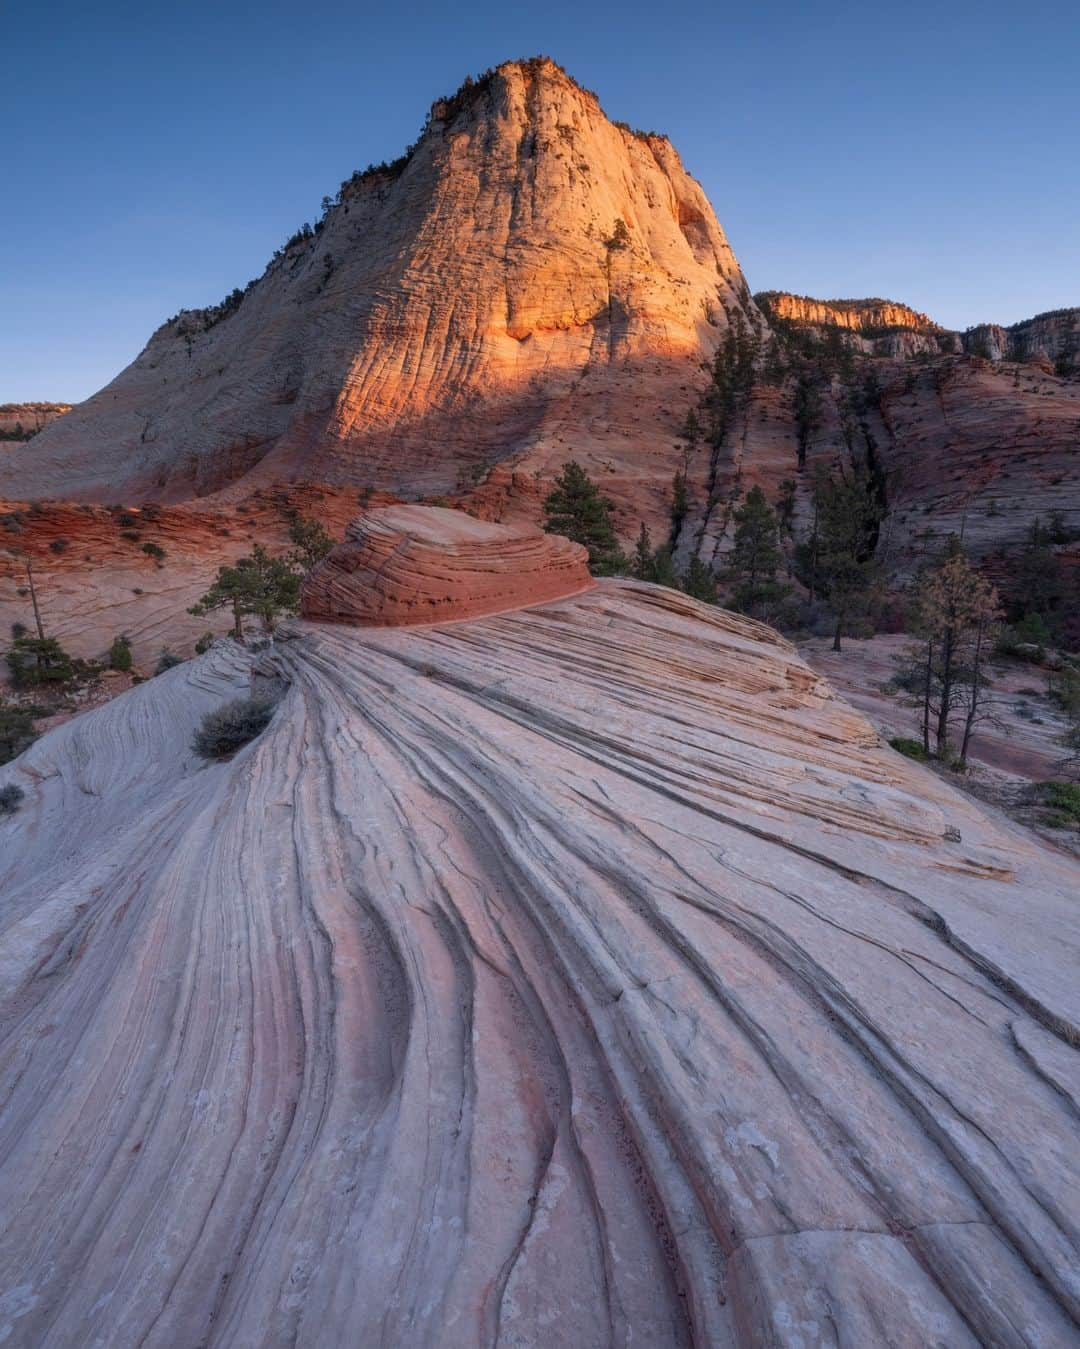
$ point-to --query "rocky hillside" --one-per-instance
(23, 421)
(528, 280)
(963, 442)
(587, 974)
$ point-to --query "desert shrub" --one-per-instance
(11, 798)
(132, 535)
(167, 660)
(911, 749)
(127, 519)
(120, 653)
(226, 729)
(59, 546)
(205, 642)
(155, 551)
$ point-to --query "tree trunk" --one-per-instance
(238, 623)
(836, 636)
(973, 700)
(926, 696)
(946, 695)
(33, 599)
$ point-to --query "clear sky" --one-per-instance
(153, 155)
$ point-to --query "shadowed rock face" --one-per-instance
(582, 975)
(424, 564)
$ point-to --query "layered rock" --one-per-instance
(857, 316)
(22, 421)
(530, 281)
(582, 975)
(1052, 338)
(424, 564)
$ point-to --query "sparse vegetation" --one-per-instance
(576, 507)
(257, 586)
(911, 749)
(119, 657)
(11, 798)
(16, 729)
(226, 729)
(37, 661)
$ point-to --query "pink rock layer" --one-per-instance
(423, 564)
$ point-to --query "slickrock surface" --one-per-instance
(474, 303)
(424, 564)
(585, 975)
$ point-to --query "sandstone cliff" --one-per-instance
(585, 975)
(530, 280)
(859, 316)
(22, 421)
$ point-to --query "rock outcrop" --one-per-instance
(23, 421)
(582, 975)
(529, 281)
(423, 564)
(857, 316)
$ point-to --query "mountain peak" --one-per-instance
(525, 265)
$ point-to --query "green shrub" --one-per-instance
(911, 749)
(228, 728)
(1063, 798)
(167, 660)
(120, 653)
(155, 551)
(38, 660)
(205, 642)
(16, 730)
(11, 798)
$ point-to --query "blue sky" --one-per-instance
(154, 155)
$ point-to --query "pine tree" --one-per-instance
(680, 506)
(699, 582)
(642, 565)
(38, 660)
(576, 507)
(311, 543)
(756, 557)
(839, 557)
(261, 586)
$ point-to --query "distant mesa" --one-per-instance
(22, 421)
(404, 565)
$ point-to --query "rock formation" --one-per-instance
(22, 421)
(582, 975)
(530, 280)
(857, 316)
(423, 564)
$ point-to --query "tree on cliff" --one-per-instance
(839, 558)
(311, 543)
(756, 558)
(257, 586)
(577, 508)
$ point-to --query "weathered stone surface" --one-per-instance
(476, 305)
(424, 564)
(583, 975)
